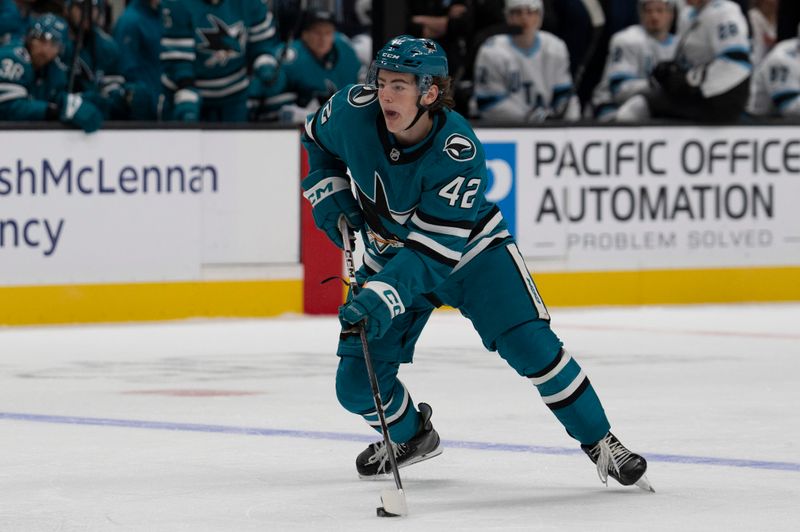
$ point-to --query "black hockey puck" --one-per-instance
(381, 511)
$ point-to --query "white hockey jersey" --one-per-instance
(632, 55)
(764, 35)
(518, 85)
(775, 88)
(714, 45)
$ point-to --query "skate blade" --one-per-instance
(388, 475)
(644, 484)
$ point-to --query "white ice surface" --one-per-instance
(234, 426)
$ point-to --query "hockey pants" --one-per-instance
(497, 294)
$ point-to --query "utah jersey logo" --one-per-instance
(221, 41)
(362, 95)
(460, 148)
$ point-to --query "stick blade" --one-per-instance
(394, 503)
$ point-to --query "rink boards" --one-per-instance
(164, 224)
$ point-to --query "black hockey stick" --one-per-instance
(394, 501)
(693, 26)
(86, 14)
(598, 21)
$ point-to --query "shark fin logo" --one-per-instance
(460, 148)
(376, 209)
(362, 95)
(222, 42)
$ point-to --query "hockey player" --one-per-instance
(138, 35)
(763, 19)
(710, 76)
(97, 74)
(432, 238)
(525, 77)
(321, 62)
(208, 49)
(633, 53)
(776, 82)
(33, 81)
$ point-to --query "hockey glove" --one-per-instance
(94, 97)
(662, 71)
(187, 106)
(373, 309)
(674, 80)
(294, 114)
(331, 198)
(79, 112)
(265, 68)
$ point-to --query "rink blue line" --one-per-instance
(343, 436)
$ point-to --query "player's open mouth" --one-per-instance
(390, 115)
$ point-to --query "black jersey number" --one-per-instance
(727, 30)
(778, 74)
(454, 194)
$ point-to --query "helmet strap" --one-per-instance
(421, 110)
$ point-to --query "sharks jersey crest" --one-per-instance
(222, 42)
(362, 95)
(375, 210)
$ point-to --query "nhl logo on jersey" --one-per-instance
(362, 95)
(394, 154)
(460, 148)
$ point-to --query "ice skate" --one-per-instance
(373, 462)
(613, 459)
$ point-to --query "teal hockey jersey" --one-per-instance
(425, 207)
(25, 93)
(99, 77)
(304, 78)
(210, 46)
(311, 78)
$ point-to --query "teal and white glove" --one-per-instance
(331, 199)
(79, 112)
(265, 68)
(376, 304)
